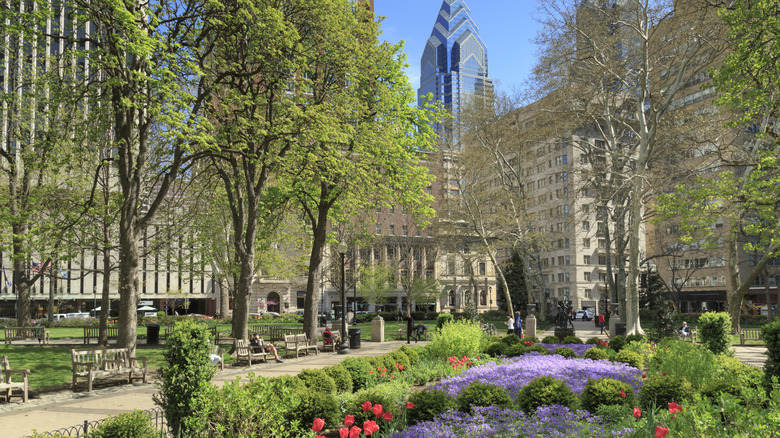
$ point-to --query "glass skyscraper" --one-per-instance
(454, 65)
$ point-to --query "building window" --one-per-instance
(390, 253)
(586, 243)
(301, 299)
(602, 243)
(585, 225)
(404, 230)
(586, 276)
(566, 277)
(392, 230)
(379, 228)
(587, 293)
(451, 298)
(586, 259)
(482, 298)
(560, 260)
(560, 277)
(482, 268)
(568, 260)
(602, 259)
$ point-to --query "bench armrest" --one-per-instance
(23, 372)
(136, 359)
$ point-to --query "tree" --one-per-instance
(744, 190)
(514, 272)
(621, 70)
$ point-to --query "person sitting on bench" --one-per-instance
(256, 344)
(420, 331)
(685, 331)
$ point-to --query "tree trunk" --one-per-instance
(21, 281)
(104, 295)
(315, 262)
(633, 325)
(128, 277)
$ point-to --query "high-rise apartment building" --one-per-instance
(454, 65)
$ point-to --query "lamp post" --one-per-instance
(344, 348)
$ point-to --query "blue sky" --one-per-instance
(506, 26)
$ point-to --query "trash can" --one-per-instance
(620, 329)
(354, 338)
(152, 334)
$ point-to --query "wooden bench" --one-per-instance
(246, 353)
(7, 385)
(19, 333)
(276, 334)
(332, 343)
(94, 332)
(93, 364)
(750, 334)
(299, 343)
(402, 334)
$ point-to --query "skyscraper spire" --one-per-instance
(454, 63)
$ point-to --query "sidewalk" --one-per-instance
(63, 409)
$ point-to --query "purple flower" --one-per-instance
(514, 373)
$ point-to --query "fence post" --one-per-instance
(86, 427)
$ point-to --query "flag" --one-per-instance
(7, 281)
(36, 267)
(63, 274)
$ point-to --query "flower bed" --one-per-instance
(514, 373)
(580, 349)
(491, 421)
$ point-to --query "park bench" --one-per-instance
(276, 334)
(107, 362)
(19, 333)
(750, 334)
(94, 332)
(7, 385)
(245, 352)
(332, 343)
(299, 343)
(402, 334)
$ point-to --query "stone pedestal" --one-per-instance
(378, 329)
(530, 326)
(613, 320)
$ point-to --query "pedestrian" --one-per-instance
(410, 328)
(510, 324)
(518, 325)
(601, 322)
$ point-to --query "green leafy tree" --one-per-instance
(514, 272)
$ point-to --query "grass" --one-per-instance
(50, 366)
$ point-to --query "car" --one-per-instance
(198, 315)
(584, 315)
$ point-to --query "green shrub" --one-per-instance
(771, 334)
(428, 405)
(459, 338)
(714, 332)
(510, 340)
(400, 358)
(634, 337)
(551, 340)
(533, 339)
(614, 414)
(595, 353)
(572, 340)
(258, 407)
(187, 372)
(606, 391)
(516, 350)
(135, 424)
(481, 395)
(315, 404)
(593, 340)
(617, 342)
(566, 352)
(685, 359)
(443, 319)
(662, 390)
(497, 349)
(358, 368)
(538, 348)
(341, 377)
(412, 353)
(631, 358)
(317, 380)
(543, 391)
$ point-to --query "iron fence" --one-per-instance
(156, 416)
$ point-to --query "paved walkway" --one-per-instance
(63, 409)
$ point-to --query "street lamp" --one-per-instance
(344, 348)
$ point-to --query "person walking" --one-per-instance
(601, 322)
(510, 324)
(518, 325)
(410, 328)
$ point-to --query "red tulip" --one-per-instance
(366, 406)
(660, 432)
(409, 405)
(370, 371)
(343, 432)
(644, 375)
(354, 432)
(637, 413)
(349, 420)
(377, 410)
(674, 407)
(623, 393)
(370, 427)
(663, 373)
(388, 416)
(318, 424)
(401, 367)
(320, 436)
